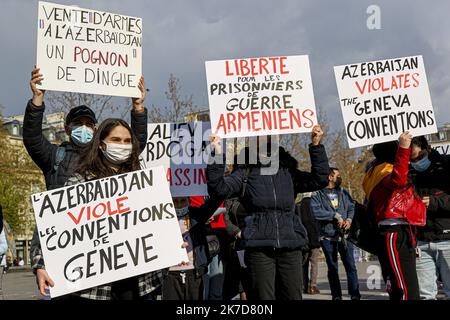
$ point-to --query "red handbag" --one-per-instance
(407, 204)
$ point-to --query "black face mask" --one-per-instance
(338, 182)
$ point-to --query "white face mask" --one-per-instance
(117, 153)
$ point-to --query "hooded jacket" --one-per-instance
(269, 199)
(434, 183)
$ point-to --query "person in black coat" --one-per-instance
(273, 235)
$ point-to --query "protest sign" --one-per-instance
(183, 149)
(88, 51)
(382, 99)
(442, 148)
(104, 230)
(260, 96)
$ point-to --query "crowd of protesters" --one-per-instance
(259, 235)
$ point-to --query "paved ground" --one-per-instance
(21, 284)
(371, 283)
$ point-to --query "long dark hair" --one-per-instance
(93, 162)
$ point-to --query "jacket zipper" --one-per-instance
(276, 219)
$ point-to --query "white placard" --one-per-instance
(382, 99)
(88, 51)
(184, 150)
(260, 96)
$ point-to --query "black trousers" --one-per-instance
(182, 285)
(274, 274)
(397, 256)
(236, 279)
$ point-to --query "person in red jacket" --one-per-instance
(386, 175)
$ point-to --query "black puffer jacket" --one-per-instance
(269, 199)
(43, 152)
(435, 183)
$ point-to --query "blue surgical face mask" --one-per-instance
(421, 165)
(81, 135)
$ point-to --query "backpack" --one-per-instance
(234, 205)
(60, 155)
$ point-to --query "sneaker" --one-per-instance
(355, 298)
(337, 298)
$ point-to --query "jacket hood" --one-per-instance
(374, 176)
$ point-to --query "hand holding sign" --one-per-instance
(38, 94)
(316, 135)
(138, 103)
(216, 143)
(405, 140)
(43, 281)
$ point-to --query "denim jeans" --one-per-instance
(213, 280)
(331, 250)
(434, 262)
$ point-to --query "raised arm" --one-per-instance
(219, 185)
(139, 116)
(318, 177)
(399, 176)
(38, 147)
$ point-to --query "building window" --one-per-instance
(442, 135)
(15, 130)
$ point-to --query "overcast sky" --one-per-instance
(180, 35)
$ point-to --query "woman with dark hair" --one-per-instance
(114, 150)
(387, 178)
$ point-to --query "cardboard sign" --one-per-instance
(442, 148)
(183, 149)
(382, 99)
(108, 229)
(88, 51)
(260, 96)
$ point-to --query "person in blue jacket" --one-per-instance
(334, 208)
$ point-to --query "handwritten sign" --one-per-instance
(108, 229)
(382, 99)
(88, 51)
(260, 96)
